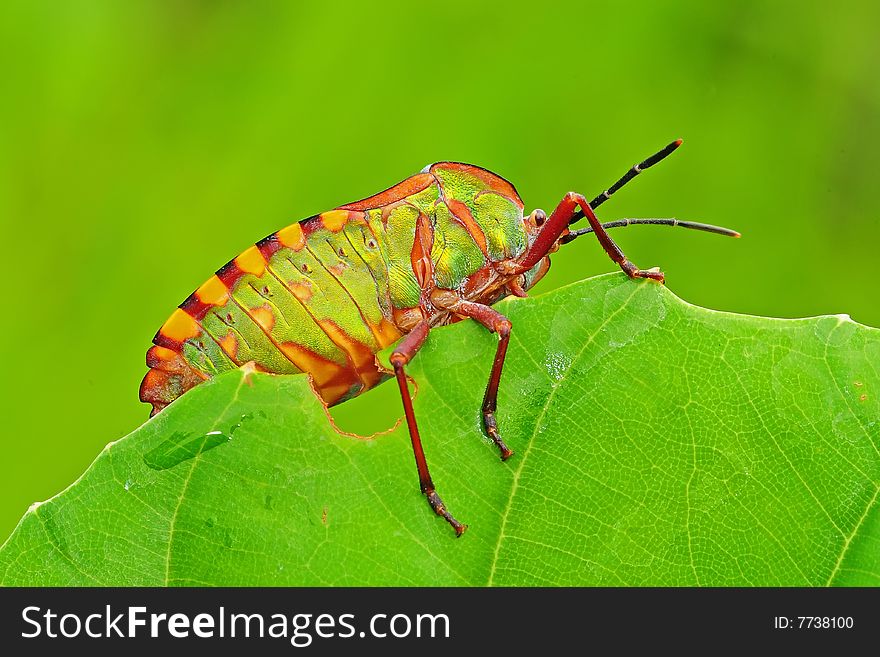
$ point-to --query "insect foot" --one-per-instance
(491, 427)
(653, 273)
(441, 510)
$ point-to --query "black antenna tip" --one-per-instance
(629, 175)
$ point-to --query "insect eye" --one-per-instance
(305, 268)
(539, 217)
(371, 244)
(342, 252)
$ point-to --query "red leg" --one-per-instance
(497, 323)
(404, 352)
(557, 224)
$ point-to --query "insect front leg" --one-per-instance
(497, 323)
(558, 223)
(404, 353)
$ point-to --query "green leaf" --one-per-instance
(657, 443)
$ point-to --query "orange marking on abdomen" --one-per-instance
(301, 291)
(292, 237)
(360, 355)
(462, 213)
(331, 380)
(180, 327)
(263, 316)
(334, 220)
(229, 344)
(162, 358)
(251, 261)
(213, 292)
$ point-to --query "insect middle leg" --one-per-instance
(497, 323)
(558, 223)
(404, 352)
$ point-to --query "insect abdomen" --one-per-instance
(302, 300)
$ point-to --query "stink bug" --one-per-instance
(324, 295)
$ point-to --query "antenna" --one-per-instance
(665, 221)
(629, 175)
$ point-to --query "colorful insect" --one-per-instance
(326, 294)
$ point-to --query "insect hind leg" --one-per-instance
(404, 352)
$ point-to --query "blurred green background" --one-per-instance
(143, 144)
